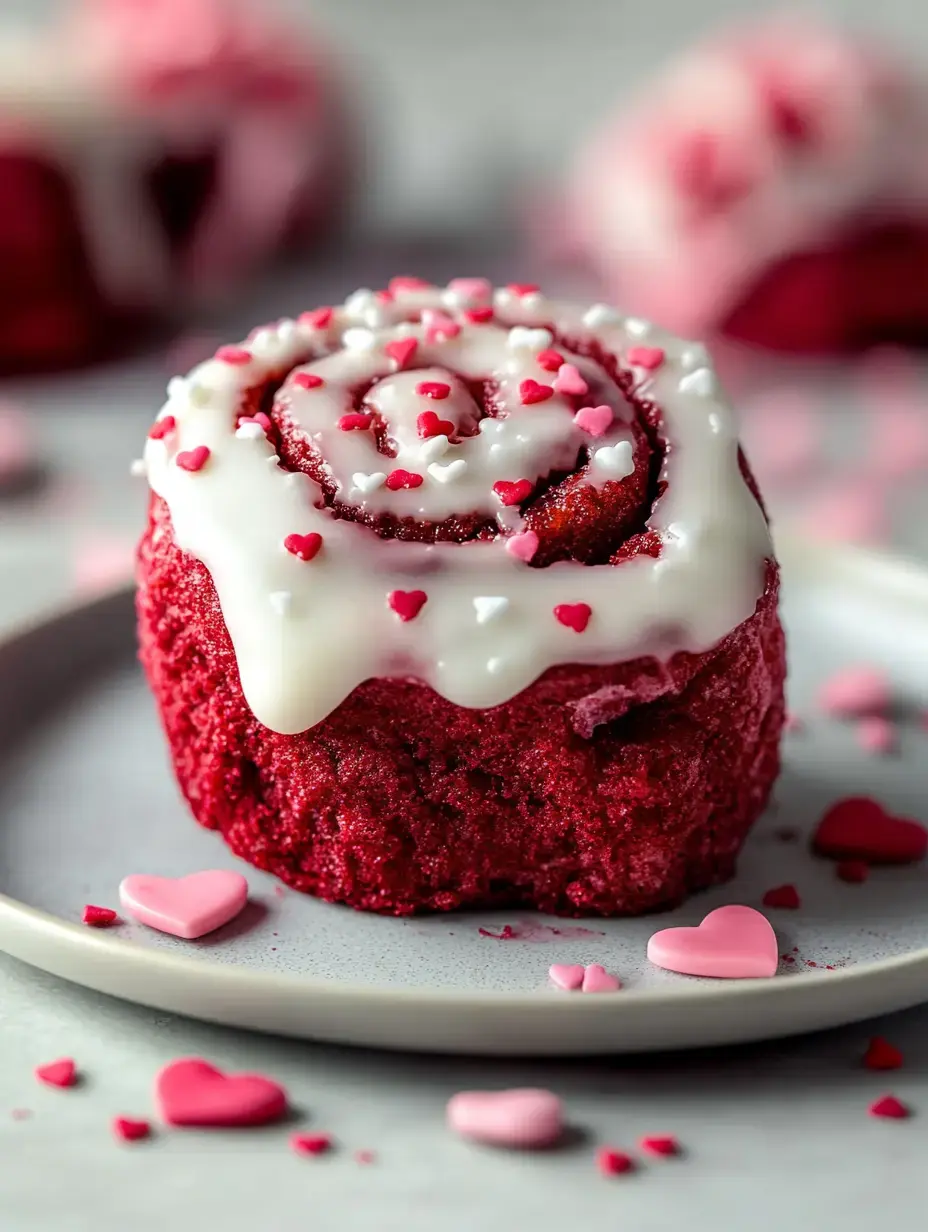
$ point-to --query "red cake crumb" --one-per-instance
(128, 1130)
(613, 1162)
(61, 1073)
(310, 1144)
(664, 1145)
(99, 917)
(785, 896)
(891, 1107)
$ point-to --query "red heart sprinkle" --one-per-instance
(407, 603)
(530, 392)
(307, 380)
(384, 296)
(407, 282)
(433, 389)
(550, 360)
(664, 1144)
(523, 288)
(128, 1130)
(786, 896)
(891, 1107)
(512, 493)
(575, 616)
(355, 421)
(57, 1073)
(193, 459)
(303, 546)
(99, 917)
(234, 355)
(852, 871)
(319, 318)
(858, 828)
(611, 1162)
(478, 316)
(193, 1092)
(310, 1144)
(646, 357)
(428, 424)
(401, 350)
(161, 427)
(881, 1054)
(403, 479)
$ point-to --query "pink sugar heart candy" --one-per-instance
(522, 546)
(597, 979)
(193, 1092)
(185, 906)
(856, 691)
(568, 976)
(522, 1118)
(732, 943)
(569, 381)
(594, 419)
(471, 288)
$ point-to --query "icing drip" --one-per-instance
(472, 619)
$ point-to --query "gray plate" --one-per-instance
(87, 797)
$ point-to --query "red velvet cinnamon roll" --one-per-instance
(460, 597)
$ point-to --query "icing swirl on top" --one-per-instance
(424, 414)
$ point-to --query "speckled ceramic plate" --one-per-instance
(86, 796)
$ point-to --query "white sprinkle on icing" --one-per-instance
(617, 461)
(434, 447)
(281, 601)
(701, 383)
(357, 339)
(449, 472)
(693, 356)
(368, 483)
(488, 607)
(177, 387)
(600, 315)
(636, 328)
(532, 339)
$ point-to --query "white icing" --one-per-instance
(487, 629)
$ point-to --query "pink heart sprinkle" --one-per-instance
(128, 1130)
(597, 979)
(568, 976)
(645, 357)
(193, 1092)
(401, 350)
(235, 355)
(569, 381)
(856, 691)
(523, 288)
(407, 603)
(187, 906)
(523, 1118)
(310, 1144)
(522, 546)
(307, 380)
(471, 288)
(478, 316)
(193, 459)
(407, 282)
(531, 392)
(161, 427)
(319, 318)
(61, 1073)
(889, 1106)
(594, 419)
(438, 325)
(732, 943)
(876, 735)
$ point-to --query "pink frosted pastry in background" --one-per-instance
(771, 186)
(152, 154)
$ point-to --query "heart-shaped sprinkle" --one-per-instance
(881, 1054)
(437, 390)
(438, 325)
(187, 906)
(434, 447)
(403, 479)
(478, 316)
(310, 1144)
(401, 351)
(359, 339)
(597, 979)
(600, 314)
(281, 601)
(617, 461)
(635, 327)
(569, 381)
(522, 546)
(663, 1145)
(531, 392)
(319, 318)
(303, 546)
(700, 383)
(161, 427)
(99, 917)
(307, 380)
(488, 607)
(732, 943)
(856, 692)
(449, 472)
(355, 421)
(645, 356)
(523, 288)
(468, 289)
(250, 431)
(594, 419)
(428, 425)
(568, 976)
(551, 361)
(876, 735)
(575, 616)
(407, 282)
(784, 896)
(191, 1092)
(61, 1073)
(858, 828)
(407, 603)
(530, 339)
(259, 420)
(512, 493)
(368, 483)
(612, 1162)
(235, 355)
(128, 1130)
(891, 1107)
(193, 459)
(524, 1118)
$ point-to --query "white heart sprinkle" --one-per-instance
(635, 327)
(280, 601)
(448, 472)
(615, 460)
(364, 306)
(600, 314)
(138, 467)
(358, 339)
(488, 606)
(532, 339)
(177, 387)
(368, 483)
(433, 448)
(249, 432)
(701, 383)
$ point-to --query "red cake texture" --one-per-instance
(600, 790)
